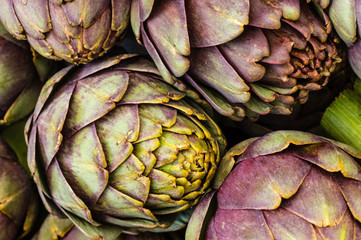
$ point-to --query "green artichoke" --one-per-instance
(77, 31)
(54, 228)
(18, 197)
(114, 147)
(342, 118)
(245, 57)
(284, 185)
(19, 81)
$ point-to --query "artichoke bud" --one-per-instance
(18, 197)
(345, 17)
(19, 82)
(285, 184)
(22, 73)
(77, 31)
(260, 56)
(112, 145)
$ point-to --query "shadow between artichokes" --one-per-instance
(284, 185)
(116, 149)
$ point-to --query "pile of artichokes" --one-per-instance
(173, 120)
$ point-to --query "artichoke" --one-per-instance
(77, 31)
(345, 16)
(18, 197)
(114, 147)
(63, 229)
(284, 185)
(245, 57)
(19, 81)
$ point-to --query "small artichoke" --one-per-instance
(19, 81)
(18, 197)
(245, 57)
(112, 145)
(77, 31)
(284, 185)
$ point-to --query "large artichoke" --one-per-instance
(18, 197)
(112, 145)
(245, 57)
(77, 31)
(19, 81)
(284, 185)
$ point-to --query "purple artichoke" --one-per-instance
(18, 197)
(346, 18)
(245, 57)
(77, 31)
(284, 185)
(116, 149)
(19, 80)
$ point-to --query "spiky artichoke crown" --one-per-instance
(112, 145)
(77, 31)
(284, 185)
(245, 57)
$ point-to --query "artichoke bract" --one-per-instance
(284, 185)
(245, 57)
(77, 31)
(111, 145)
(58, 228)
(18, 197)
(19, 81)
(64, 229)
